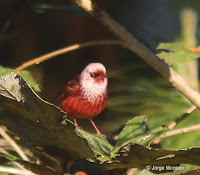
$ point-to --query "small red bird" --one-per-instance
(87, 95)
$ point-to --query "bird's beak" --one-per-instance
(102, 77)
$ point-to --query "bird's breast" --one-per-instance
(82, 106)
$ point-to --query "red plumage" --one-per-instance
(86, 96)
(77, 105)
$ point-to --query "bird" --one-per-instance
(86, 95)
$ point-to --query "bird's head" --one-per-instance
(93, 78)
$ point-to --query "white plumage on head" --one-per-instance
(88, 84)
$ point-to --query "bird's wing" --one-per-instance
(71, 88)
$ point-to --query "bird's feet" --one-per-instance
(75, 122)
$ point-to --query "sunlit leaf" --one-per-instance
(174, 53)
(132, 132)
(29, 79)
(100, 146)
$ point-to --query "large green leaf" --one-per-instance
(174, 53)
(100, 146)
(132, 132)
(135, 131)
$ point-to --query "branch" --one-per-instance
(73, 47)
(182, 117)
(174, 132)
(146, 54)
(182, 131)
(174, 123)
(9, 170)
(14, 162)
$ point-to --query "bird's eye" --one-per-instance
(91, 74)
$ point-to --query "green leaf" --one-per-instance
(29, 79)
(176, 53)
(132, 132)
(4, 70)
(100, 146)
(131, 154)
(145, 172)
(153, 134)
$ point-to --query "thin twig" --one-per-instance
(73, 47)
(175, 132)
(146, 54)
(16, 163)
(177, 121)
(182, 117)
(13, 144)
(9, 170)
(182, 131)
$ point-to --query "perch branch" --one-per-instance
(146, 54)
(73, 47)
